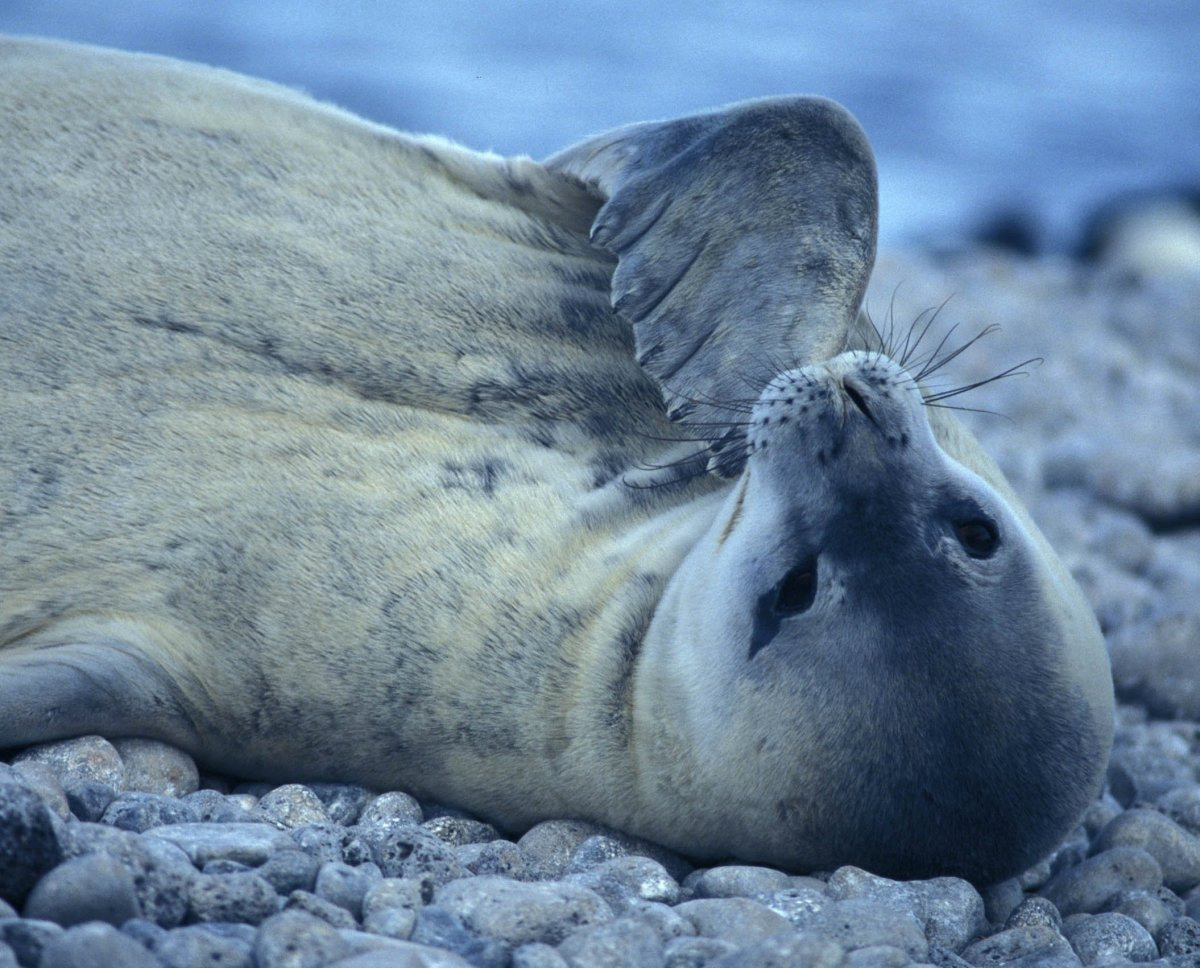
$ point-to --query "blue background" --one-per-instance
(975, 109)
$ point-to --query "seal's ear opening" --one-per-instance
(744, 240)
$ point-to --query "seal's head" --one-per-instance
(878, 646)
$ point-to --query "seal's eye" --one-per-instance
(795, 593)
(978, 537)
(792, 594)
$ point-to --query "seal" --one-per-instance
(562, 489)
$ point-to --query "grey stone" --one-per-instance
(1107, 937)
(1156, 757)
(439, 927)
(1031, 945)
(95, 945)
(290, 806)
(28, 938)
(537, 955)
(738, 880)
(459, 831)
(319, 907)
(623, 943)
(800, 905)
(293, 939)
(518, 913)
(696, 952)
(550, 844)
(94, 887)
(404, 954)
(244, 898)
(500, 857)
(248, 843)
(1099, 814)
(29, 846)
(194, 946)
(1182, 805)
(622, 880)
(407, 851)
(88, 799)
(162, 877)
(45, 783)
(785, 951)
(1089, 886)
(149, 766)
(1035, 912)
(599, 848)
(146, 933)
(735, 919)
(224, 866)
(139, 812)
(863, 923)
(950, 910)
(1154, 664)
(326, 842)
(1176, 850)
(289, 870)
(1147, 908)
(214, 807)
(665, 921)
(395, 892)
(877, 956)
(343, 802)
(1179, 936)
(345, 886)
(389, 808)
(84, 758)
(392, 922)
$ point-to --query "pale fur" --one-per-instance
(336, 426)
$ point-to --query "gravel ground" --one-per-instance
(122, 854)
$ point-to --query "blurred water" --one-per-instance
(974, 109)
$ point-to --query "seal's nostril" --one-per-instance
(857, 399)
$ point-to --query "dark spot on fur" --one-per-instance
(164, 322)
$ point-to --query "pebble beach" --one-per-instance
(123, 853)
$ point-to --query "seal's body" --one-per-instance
(324, 456)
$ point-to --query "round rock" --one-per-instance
(28, 843)
(153, 767)
(735, 919)
(243, 898)
(737, 880)
(96, 945)
(139, 812)
(518, 913)
(193, 946)
(84, 758)
(290, 806)
(616, 944)
(294, 939)
(247, 843)
(1088, 886)
(1176, 850)
(94, 887)
(1109, 937)
(1025, 945)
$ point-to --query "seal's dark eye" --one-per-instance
(795, 593)
(978, 537)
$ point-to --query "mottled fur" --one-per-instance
(315, 452)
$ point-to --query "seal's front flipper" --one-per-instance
(54, 689)
(744, 237)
